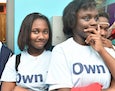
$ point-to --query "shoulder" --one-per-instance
(11, 61)
(13, 57)
(64, 45)
(47, 53)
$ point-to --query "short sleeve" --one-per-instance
(9, 73)
(59, 74)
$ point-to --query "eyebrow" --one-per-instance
(104, 23)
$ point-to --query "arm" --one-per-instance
(109, 61)
(8, 86)
(11, 86)
(107, 43)
(95, 40)
(18, 88)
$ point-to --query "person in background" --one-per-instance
(83, 61)
(104, 25)
(5, 54)
(34, 40)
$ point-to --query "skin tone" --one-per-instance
(83, 23)
(104, 26)
(96, 41)
(8, 86)
(87, 33)
(38, 39)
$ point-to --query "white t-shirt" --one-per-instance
(74, 65)
(31, 73)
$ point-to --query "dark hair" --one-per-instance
(25, 31)
(104, 14)
(69, 14)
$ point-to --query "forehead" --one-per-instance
(39, 21)
(103, 19)
(89, 11)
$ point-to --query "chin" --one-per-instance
(85, 36)
(40, 48)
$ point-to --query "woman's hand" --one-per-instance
(94, 39)
(107, 42)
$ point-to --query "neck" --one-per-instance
(35, 52)
(79, 40)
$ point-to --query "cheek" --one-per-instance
(80, 29)
(32, 40)
(32, 37)
(47, 37)
(106, 34)
(82, 25)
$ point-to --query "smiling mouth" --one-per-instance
(41, 43)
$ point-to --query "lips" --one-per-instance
(40, 42)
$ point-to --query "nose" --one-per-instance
(93, 22)
(41, 35)
(103, 33)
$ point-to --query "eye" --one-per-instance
(86, 18)
(101, 27)
(46, 31)
(35, 31)
(106, 29)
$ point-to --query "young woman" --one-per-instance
(103, 22)
(82, 59)
(34, 41)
